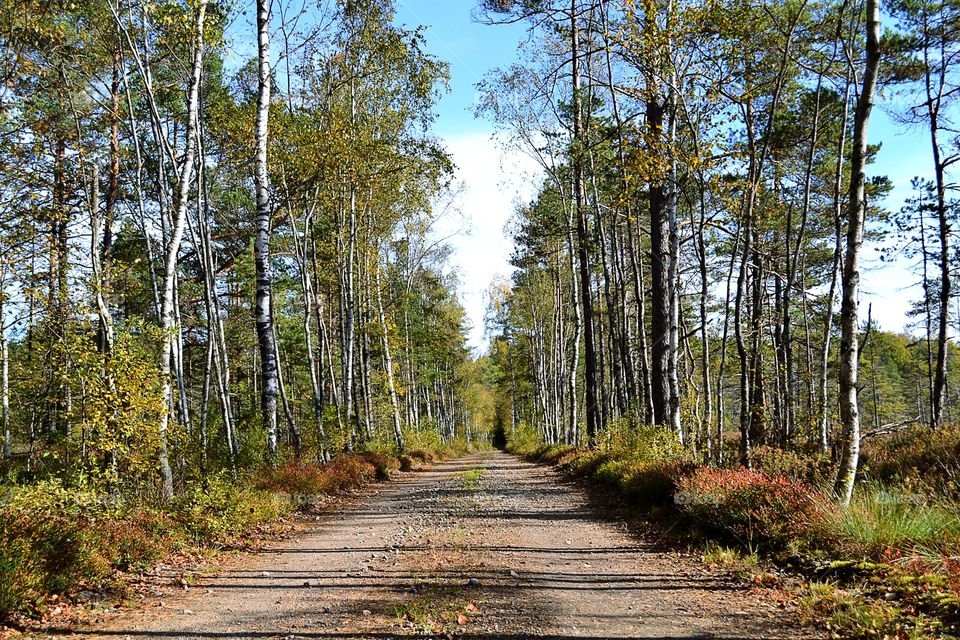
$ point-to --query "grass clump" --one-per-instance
(847, 615)
(473, 478)
(885, 523)
(731, 559)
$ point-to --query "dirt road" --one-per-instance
(508, 552)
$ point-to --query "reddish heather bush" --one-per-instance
(342, 474)
(419, 455)
(951, 567)
(754, 508)
(54, 540)
(383, 464)
(293, 478)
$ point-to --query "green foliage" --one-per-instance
(524, 440)
(472, 479)
(215, 512)
(638, 441)
(814, 469)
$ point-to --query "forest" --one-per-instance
(212, 264)
(223, 288)
(693, 256)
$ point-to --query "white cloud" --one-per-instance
(492, 184)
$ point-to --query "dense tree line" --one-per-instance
(208, 262)
(692, 258)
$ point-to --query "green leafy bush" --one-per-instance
(816, 470)
(653, 484)
(215, 512)
(21, 578)
(630, 438)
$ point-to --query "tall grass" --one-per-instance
(884, 522)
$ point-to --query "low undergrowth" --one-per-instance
(57, 539)
(887, 566)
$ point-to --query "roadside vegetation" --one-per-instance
(222, 292)
(885, 566)
(59, 538)
(711, 198)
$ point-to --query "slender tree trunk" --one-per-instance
(660, 273)
(168, 312)
(388, 365)
(824, 422)
(592, 408)
(856, 214)
(5, 372)
(266, 339)
(946, 284)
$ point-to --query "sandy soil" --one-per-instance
(514, 552)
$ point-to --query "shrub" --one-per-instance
(343, 473)
(215, 512)
(584, 463)
(54, 539)
(630, 438)
(382, 463)
(816, 469)
(554, 454)
(524, 440)
(141, 538)
(21, 578)
(654, 484)
(293, 479)
(914, 456)
(348, 472)
(60, 528)
(752, 507)
(419, 455)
